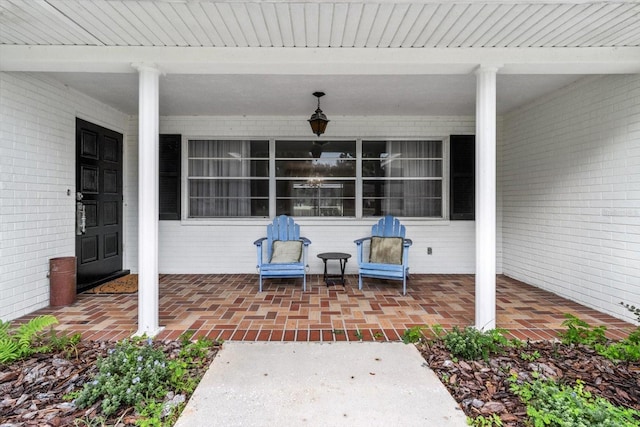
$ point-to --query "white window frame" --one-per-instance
(272, 178)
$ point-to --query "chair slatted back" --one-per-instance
(388, 226)
(282, 228)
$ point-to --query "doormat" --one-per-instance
(123, 285)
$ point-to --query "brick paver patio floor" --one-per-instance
(230, 307)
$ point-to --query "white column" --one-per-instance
(148, 128)
(486, 198)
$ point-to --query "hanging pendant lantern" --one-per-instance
(318, 120)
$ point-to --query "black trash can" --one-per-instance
(62, 281)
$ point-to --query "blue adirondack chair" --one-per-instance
(283, 253)
(388, 256)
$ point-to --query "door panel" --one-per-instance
(99, 186)
(89, 180)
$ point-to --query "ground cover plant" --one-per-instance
(582, 379)
(135, 373)
(551, 403)
(580, 332)
(35, 336)
(131, 373)
(65, 381)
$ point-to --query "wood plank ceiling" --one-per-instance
(337, 23)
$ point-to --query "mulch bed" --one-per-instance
(482, 387)
(32, 390)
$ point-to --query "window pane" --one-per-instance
(419, 168)
(306, 173)
(228, 168)
(342, 168)
(402, 158)
(229, 197)
(402, 178)
(228, 149)
(402, 207)
(385, 149)
(315, 149)
(310, 159)
(220, 183)
(315, 198)
(402, 198)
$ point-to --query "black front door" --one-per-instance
(98, 204)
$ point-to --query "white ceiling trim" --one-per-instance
(321, 61)
(371, 57)
(324, 23)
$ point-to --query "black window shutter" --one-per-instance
(169, 179)
(462, 177)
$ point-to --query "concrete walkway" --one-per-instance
(320, 384)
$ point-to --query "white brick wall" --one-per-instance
(37, 155)
(228, 246)
(568, 192)
(225, 246)
(571, 193)
(37, 168)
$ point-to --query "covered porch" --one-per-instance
(552, 105)
(229, 307)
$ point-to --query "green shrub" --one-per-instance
(627, 349)
(25, 340)
(472, 344)
(412, 335)
(580, 332)
(132, 372)
(552, 404)
(136, 374)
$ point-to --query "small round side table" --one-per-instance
(342, 258)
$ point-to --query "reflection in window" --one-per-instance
(231, 178)
(315, 179)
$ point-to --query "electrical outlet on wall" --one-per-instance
(429, 251)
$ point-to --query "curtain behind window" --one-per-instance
(219, 183)
(421, 197)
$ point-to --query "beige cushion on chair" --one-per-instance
(386, 250)
(286, 251)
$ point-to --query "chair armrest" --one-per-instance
(258, 244)
(305, 246)
(360, 250)
(405, 254)
(361, 241)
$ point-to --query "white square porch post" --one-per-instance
(148, 127)
(486, 198)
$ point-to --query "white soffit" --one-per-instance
(315, 24)
(290, 95)
(261, 57)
